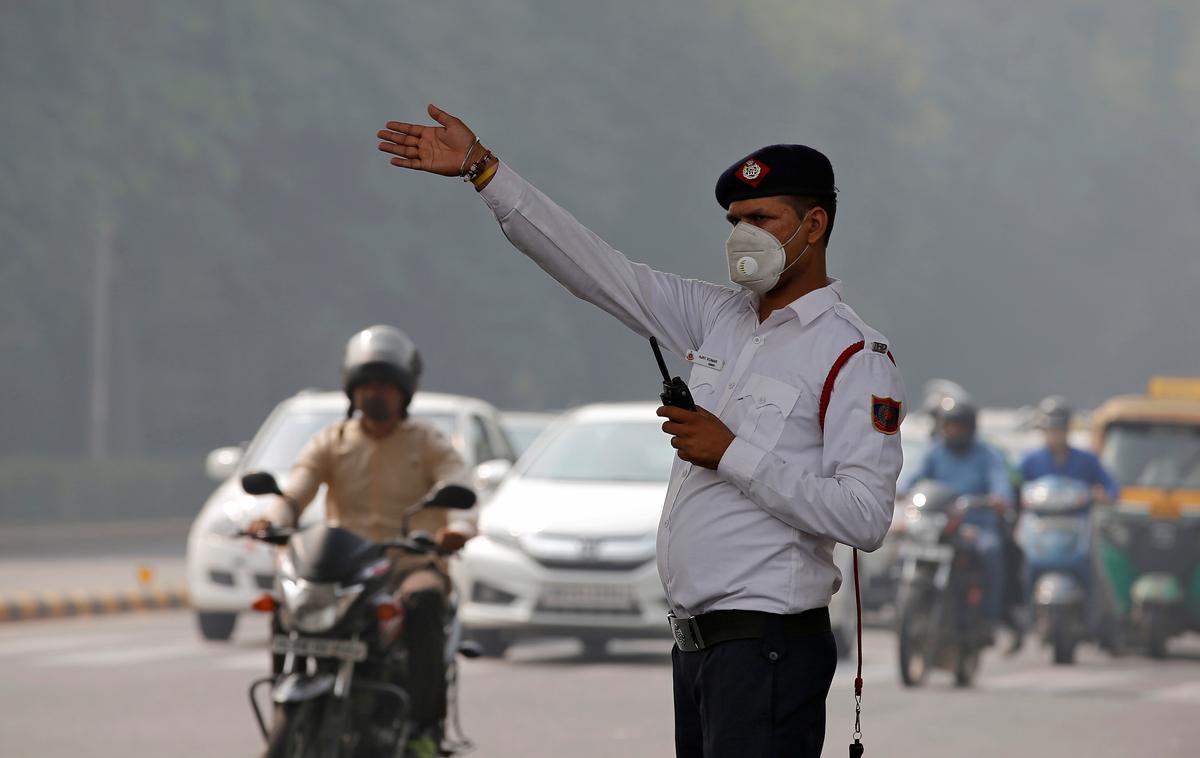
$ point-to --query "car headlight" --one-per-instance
(502, 536)
(316, 606)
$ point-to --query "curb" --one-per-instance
(27, 606)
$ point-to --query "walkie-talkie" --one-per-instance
(675, 391)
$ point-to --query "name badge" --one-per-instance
(694, 356)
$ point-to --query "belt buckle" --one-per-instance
(686, 633)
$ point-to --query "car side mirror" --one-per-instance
(260, 483)
(453, 496)
(490, 474)
(223, 462)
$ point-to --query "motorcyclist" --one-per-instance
(377, 464)
(970, 467)
(1059, 458)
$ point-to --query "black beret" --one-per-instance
(777, 170)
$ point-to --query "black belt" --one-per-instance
(708, 629)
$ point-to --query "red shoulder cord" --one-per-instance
(826, 395)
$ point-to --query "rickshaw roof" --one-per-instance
(1142, 408)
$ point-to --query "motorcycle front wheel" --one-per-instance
(914, 632)
(295, 731)
(1062, 637)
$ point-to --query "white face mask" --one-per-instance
(756, 258)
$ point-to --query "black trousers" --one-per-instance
(762, 698)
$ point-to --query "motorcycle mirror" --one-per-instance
(453, 496)
(260, 483)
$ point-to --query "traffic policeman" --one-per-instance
(794, 445)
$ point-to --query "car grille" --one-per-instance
(593, 565)
(223, 578)
(264, 581)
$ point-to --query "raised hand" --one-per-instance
(436, 149)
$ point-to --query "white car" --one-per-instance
(567, 545)
(226, 573)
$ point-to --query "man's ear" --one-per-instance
(818, 222)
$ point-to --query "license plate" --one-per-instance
(315, 647)
(921, 552)
(595, 597)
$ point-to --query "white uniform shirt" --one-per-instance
(758, 533)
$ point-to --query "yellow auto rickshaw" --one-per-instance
(1148, 542)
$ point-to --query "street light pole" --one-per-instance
(98, 432)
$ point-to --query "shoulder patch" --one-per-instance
(879, 347)
(885, 414)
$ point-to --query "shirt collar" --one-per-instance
(818, 301)
(807, 307)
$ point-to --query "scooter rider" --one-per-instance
(1059, 458)
(971, 467)
(377, 464)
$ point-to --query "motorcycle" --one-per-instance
(338, 650)
(940, 615)
(1055, 531)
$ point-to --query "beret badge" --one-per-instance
(753, 172)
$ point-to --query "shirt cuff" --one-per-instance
(504, 191)
(739, 463)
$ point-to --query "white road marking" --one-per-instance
(126, 656)
(1187, 692)
(258, 661)
(1058, 680)
(27, 645)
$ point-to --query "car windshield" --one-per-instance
(523, 433)
(283, 441)
(622, 451)
(1153, 455)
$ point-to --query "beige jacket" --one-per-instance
(372, 482)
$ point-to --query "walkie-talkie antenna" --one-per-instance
(662, 365)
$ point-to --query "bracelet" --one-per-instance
(467, 157)
(481, 180)
(473, 172)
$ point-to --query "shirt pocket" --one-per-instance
(765, 406)
(703, 383)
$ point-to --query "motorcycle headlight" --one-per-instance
(316, 606)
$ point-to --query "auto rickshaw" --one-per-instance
(1148, 542)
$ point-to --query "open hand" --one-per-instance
(698, 436)
(436, 149)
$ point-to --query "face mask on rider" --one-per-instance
(377, 409)
(756, 258)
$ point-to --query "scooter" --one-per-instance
(1055, 531)
(338, 621)
(940, 616)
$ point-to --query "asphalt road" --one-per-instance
(144, 685)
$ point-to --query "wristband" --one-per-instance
(467, 157)
(481, 181)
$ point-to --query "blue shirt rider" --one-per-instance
(970, 467)
(1060, 459)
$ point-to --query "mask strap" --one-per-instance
(789, 239)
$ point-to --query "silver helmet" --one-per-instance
(381, 353)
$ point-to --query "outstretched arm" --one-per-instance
(676, 310)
